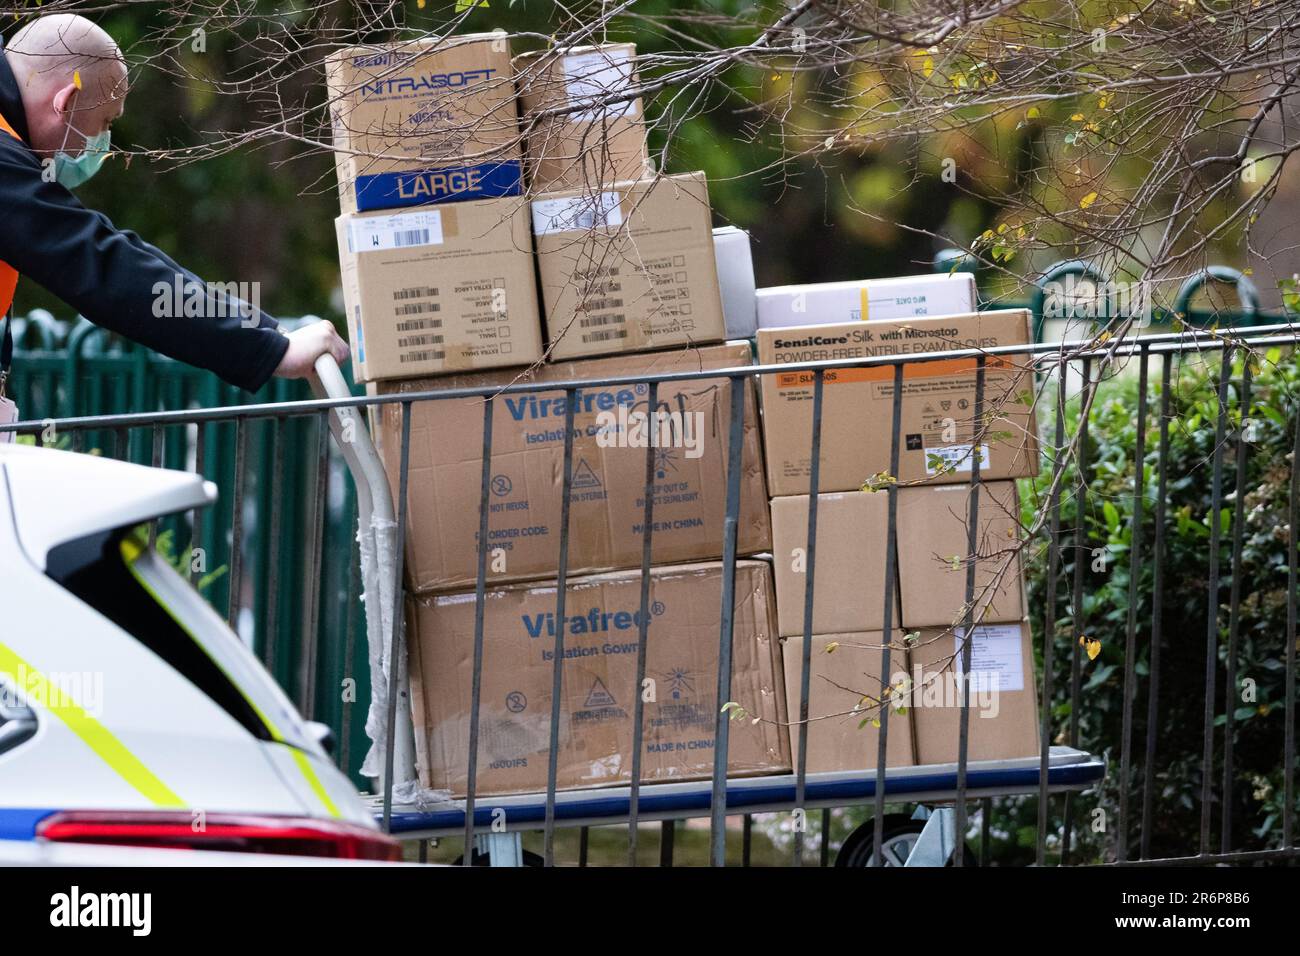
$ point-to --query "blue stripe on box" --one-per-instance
(421, 187)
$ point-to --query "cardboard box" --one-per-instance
(933, 554)
(838, 682)
(938, 414)
(442, 289)
(849, 585)
(607, 506)
(736, 281)
(822, 303)
(629, 267)
(600, 143)
(424, 121)
(600, 652)
(1004, 700)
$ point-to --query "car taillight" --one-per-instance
(229, 832)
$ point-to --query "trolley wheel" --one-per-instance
(900, 835)
(485, 859)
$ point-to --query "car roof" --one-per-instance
(58, 496)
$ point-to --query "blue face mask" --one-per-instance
(71, 172)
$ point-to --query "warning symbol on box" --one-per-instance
(665, 461)
(599, 696)
(680, 682)
(584, 477)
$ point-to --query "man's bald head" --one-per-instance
(70, 74)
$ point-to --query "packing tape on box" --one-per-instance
(458, 358)
(450, 221)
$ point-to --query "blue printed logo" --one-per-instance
(418, 187)
(424, 83)
(593, 622)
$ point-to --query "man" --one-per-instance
(62, 84)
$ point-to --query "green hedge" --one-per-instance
(1108, 512)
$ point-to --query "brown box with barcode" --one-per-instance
(602, 138)
(936, 443)
(628, 267)
(440, 289)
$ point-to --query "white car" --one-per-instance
(130, 714)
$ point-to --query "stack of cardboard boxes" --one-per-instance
(626, 259)
(586, 150)
(468, 182)
(435, 248)
(440, 284)
(936, 452)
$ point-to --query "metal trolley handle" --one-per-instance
(376, 537)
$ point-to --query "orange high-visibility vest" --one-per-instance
(8, 274)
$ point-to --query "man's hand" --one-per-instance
(308, 344)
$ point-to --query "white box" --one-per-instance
(736, 281)
(866, 299)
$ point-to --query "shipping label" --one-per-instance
(399, 231)
(954, 458)
(590, 76)
(577, 212)
(996, 661)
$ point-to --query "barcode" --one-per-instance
(429, 355)
(598, 273)
(411, 237)
(414, 325)
(577, 212)
(606, 335)
(415, 308)
(592, 321)
(419, 340)
(416, 292)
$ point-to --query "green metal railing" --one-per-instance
(318, 654)
(64, 370)
(1248, 313)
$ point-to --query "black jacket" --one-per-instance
(110, 275)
